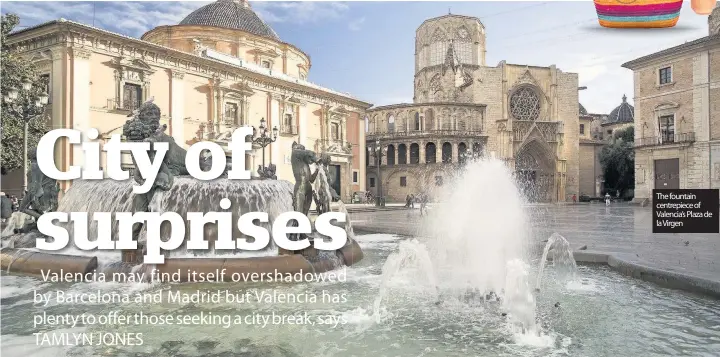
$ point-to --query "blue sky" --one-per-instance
(366, 48)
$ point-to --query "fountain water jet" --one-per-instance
(562, 256)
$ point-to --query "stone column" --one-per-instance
(177, 107)
(422, 152)
(58, 106)
(80, 98)
(274, 120)
(455, 154)
(362, 151)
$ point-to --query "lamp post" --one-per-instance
(19, 102)
(378, 152)
(263, 140)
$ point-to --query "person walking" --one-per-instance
(607, 199)
(412, 200)
(574, 198)
(423, 204)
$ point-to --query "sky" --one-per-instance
(367, 48)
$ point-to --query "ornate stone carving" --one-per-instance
(525, 104)
(177, 74)
(81, 53)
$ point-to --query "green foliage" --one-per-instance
(618, 161)
(14, 70)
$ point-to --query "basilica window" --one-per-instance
(288, 120)
(416, 123)
(265, 64)
(231, 113)
(335, 131)
(525, 104)
(132, 96)
(582, 129)
(45, 80)
(665, 75)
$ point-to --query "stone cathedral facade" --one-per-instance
(525, 115)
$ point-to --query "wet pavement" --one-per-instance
(623, 230)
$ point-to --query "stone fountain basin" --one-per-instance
(29, 262)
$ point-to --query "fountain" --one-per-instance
(175, 191)
(561, 256)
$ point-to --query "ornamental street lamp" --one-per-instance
(378, 152)
(263, 139)
(19, 103)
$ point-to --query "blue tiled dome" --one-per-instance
(623, 113)
(232, 14)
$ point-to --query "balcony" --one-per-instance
(127, 105)
(421, 133)
(288, 130)
(679, 138)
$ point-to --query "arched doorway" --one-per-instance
(414, 153)
(462, 153)
(430, 153)
(391, 155)
(402, 154)
(447, 153)
(535, 172)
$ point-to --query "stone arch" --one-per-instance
(429, 119)
(401, 121)
(414, 153)
(373, 124)
(416, 125)
(390, 155)
(430, 153)
(390, 122)
(446, 152)
(535, 171)
(462, 152)
(402, 154)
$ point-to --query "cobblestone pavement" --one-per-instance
(623, 230)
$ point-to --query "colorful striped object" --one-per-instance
(638, 13)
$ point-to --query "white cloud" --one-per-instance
(304, 12)
(356, 24)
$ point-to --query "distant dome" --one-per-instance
(624, 113)
(583, 111)
(232, 14)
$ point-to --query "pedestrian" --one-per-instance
(607, 199)
(423, 203)
(407, 201)
(412, 200)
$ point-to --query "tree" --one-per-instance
(618, 161)
(14, 70)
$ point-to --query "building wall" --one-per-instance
(590, 170)
(692, 97)
(86, 92)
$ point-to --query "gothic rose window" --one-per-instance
(525, 104)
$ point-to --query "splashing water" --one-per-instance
(562, 256)
(479, 226)
(518, 299)
(411, 254)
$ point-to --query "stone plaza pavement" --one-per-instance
(624, 231)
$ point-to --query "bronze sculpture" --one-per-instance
(303, 191)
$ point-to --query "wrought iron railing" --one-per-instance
(676, 138)
(128, 105)
(288, 130)
(413, 133)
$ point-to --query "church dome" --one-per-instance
(623, 113)
(232, 14)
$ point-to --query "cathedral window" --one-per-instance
(265, 64)
(335, 131)
(391, 123)
(438, 48)
(132, 96)
(525, 104)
